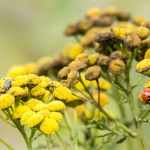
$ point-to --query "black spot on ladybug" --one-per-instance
(7, 84)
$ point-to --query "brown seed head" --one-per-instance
(63, 73)
(123, 15)
(146, 24)
(118, 54)
(93, 73)
(103, 60)
(82, 57)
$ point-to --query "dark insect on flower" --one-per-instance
(7, 84)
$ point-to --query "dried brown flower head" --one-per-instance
(93, 73)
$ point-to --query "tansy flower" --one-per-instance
(94, 12)
(25, 117)
(34, 120)
(31, 67)
(33, 79)
(147, 84)
(44, 79)
(120, 32)
(143, 67)
(38, 91)
(44, 113)
(103, 60)
(56, 116)
(104, 85)
(17, 70)
(147, 54)
(19, 111)
(54, 84)
(63, 73)
(16, 91)
(49, 126)
(93, 59)
(76, 65)
(31, 103)
(86, 82)
(39, 107)
(92, 73)
(62, 93)
(132, 40)
(138, 20)
(6, 101)
(103, 98)
(72, 50)
(82, 57)
(142, 32)
(20, 80)
(117, 66)
(56, 106)
(46, 96)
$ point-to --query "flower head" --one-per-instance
(143, 67)
(25, 117)
(117, 66)
(56, 116)
(34, 120)
(19, 111)
(49, 126)
(17, 91)
(62, 93)
(6, 101)
(56, 106)
(92, 73)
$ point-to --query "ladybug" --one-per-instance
(146, 95)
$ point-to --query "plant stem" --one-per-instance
(61, 141)
(48, 141)
(6, 144)
(145, 113)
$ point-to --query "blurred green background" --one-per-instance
(30, 29)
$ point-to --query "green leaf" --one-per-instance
(120, 139)
(74, 103)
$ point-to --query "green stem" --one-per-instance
(48, 141)
(61, 141)
(137, 123)
(6, 144)
(107, 115)
(145, 113)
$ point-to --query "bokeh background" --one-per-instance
(30, 29)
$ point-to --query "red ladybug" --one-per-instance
(146, 95)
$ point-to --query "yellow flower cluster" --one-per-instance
(34, 101)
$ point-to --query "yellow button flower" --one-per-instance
(39, 107)
(103, 98)
(17, 91)
(31, 103)
(33, 79)
(49, 126)
(143, 67)
(62, 93)
(105, 85)
(56, 116)
(44, 113)
(34, 120)
(19, 111)
(86, 82)
(56, 106)
(25, 117)
(6, 101)
(17, 70)
(72, 50)
(20, 80)
(38, 91)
